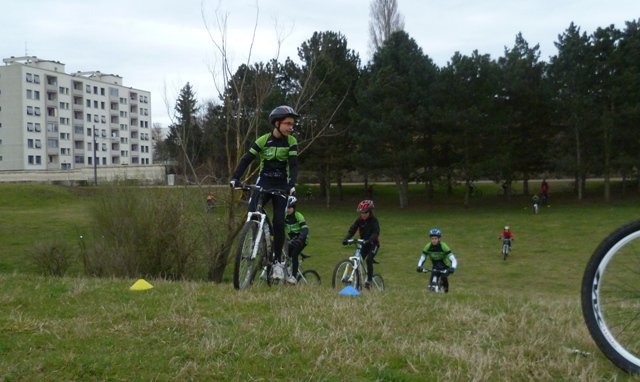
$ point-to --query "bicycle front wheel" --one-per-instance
(344, 274)
(611, 297)
(309, 277)
(505, 251)
(246, 266)
(377, 282)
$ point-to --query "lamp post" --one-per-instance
(95, 160)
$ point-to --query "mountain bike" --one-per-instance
(611, 297)
(353, 271)
(506, 247)
(255, 245)
(308, 277)
(435, 281)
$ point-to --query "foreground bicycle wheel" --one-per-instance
(245, 268)
(611, 297)
(343, 275)
(505, 251)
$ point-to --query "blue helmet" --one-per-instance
(435, 232)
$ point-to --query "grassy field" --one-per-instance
(515, 320)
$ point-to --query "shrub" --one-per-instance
(51, 259)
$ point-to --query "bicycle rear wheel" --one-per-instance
(246, 267)
(377, 282)
(344, 274)
(309, 277)
(505, 251)
(611, 297)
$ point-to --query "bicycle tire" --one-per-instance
(377, 282)
(246, 268)
(309, 277)
(505, 251)
(344, 270)
(610, 297)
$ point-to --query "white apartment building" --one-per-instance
(51, 120)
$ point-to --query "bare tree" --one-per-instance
(384, 19)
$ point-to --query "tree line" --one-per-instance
(402, 117)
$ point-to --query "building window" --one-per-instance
(36, 110)
(88, 117)
(88, 103)
(38, 144)
(30, 159)
(79, 159)
(30, 126)
(38, 127)
(29, 77)
(36, 78)
(29, 110)
(38, 159)
(29, 143)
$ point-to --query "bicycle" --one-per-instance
(255, 243)
(353, 271)
(506, 247)
(610, 297)
(308, 277)
(435, 281)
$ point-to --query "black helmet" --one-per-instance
(291, 201)
(282, 112)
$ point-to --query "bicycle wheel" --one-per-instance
(611, 297)
(344, 274)
(309, 277)
(377, 282)
(505, 251)
(246, 267)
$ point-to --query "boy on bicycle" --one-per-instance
(442, 259)
(298, 231)
(368, 228)
(278, 154)
(506, 234)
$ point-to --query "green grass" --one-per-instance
(518, 320)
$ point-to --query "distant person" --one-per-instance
(544, 191)
(506, 234)
(442, 259)
(535, 200)
(368, 228)
(211, 202)
(297, 230)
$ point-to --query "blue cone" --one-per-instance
(349, 291)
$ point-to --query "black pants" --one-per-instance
(368, 252)
(278, 215)
(294, 253)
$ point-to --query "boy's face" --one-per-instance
(435, 240)
(289, 210)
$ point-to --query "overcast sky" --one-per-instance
(160, 45)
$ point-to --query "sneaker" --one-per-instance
(291, 280)
(367, 285)
(277, 272)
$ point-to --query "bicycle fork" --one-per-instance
(263, 229)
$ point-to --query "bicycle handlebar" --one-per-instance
(356, 241)
(252, 187)
(441, 271)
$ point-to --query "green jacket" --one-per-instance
(296, 227)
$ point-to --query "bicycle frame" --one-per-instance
(435, 283)
(356, 261)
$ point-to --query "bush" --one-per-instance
(51, 259)
(145, 232)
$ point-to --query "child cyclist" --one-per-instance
(297, 231)
(368, 228)
(507, 234)
(440, 255)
